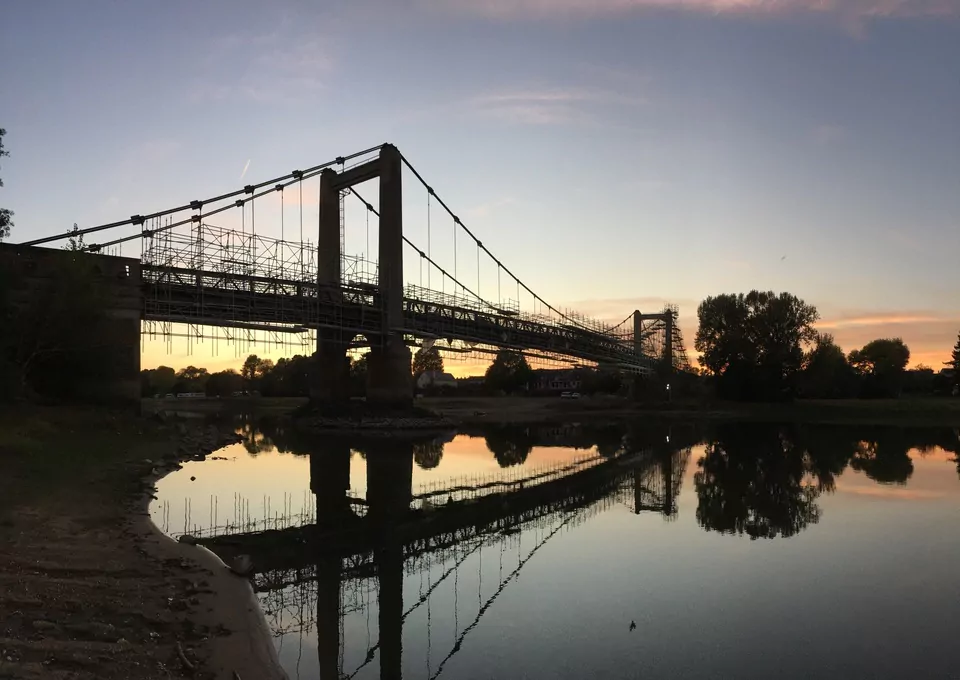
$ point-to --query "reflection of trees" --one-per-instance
(829, 449)
(509, 445)
(752, 481)
(883, 455)
(427, 455)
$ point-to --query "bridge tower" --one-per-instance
(389, 381)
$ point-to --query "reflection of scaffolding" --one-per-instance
(657, 487)
(290, 609)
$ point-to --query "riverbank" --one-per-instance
(897, 412)
(89, 587)
(456, 411)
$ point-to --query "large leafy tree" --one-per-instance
(881, 364)
(224, 383)
(6, 216)
(191, 379)
(826, 373)
(427, 359)
(509, 372)
(753, 344)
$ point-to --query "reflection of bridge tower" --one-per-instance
(389, 482)
(657, 487)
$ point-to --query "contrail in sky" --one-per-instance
(245, 168)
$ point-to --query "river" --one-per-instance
(656, 551)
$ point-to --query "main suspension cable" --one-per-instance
(196, 205)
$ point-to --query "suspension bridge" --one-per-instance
(203, 265)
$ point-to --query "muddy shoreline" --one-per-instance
(90, 588)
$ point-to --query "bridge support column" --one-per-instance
(389, 381)
(668, 340)
(331, 383)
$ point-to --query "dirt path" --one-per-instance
(89, 588)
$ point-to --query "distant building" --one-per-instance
(559, 380)
(436, 380)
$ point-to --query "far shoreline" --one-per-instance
(474, 410)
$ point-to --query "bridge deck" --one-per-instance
(246, 301)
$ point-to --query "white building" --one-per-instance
(436, 380)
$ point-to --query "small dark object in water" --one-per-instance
(633, 625)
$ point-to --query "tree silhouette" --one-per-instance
(753, 343)
(881, 364)
(826, 373)
(427, 360)
(955, 361)
(509, 445)
(427, 455)
(751, 481)
(509, 372)
(883, 456)
(6, 216)
(75, 242)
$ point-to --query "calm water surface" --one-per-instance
(739, 551)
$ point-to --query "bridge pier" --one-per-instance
(389, 380)
(331, 383)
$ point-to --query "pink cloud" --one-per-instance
(508, 9)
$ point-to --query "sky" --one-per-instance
(615, 154)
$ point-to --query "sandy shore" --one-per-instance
(89, 587)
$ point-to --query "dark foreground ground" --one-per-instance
(88, 587)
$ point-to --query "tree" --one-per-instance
(159, 380)
(427, 359)
(75, 242)
(249, 369)
(358, 375)
(753, 344)
(224, 383)
(191, 379)
(881, 364)
(256, 372)
(6, 216)
(509, 372)
(826, 373)
(955, 361)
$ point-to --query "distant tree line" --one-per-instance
(285, 378)
(763, 346)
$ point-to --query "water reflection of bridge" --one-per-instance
(392, 532)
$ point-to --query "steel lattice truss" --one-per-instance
(220, 277)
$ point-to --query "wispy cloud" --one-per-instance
(509, 9)
(485, 209)
(929, 335)
(548, 106)
(279, 65)
(883, 319)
